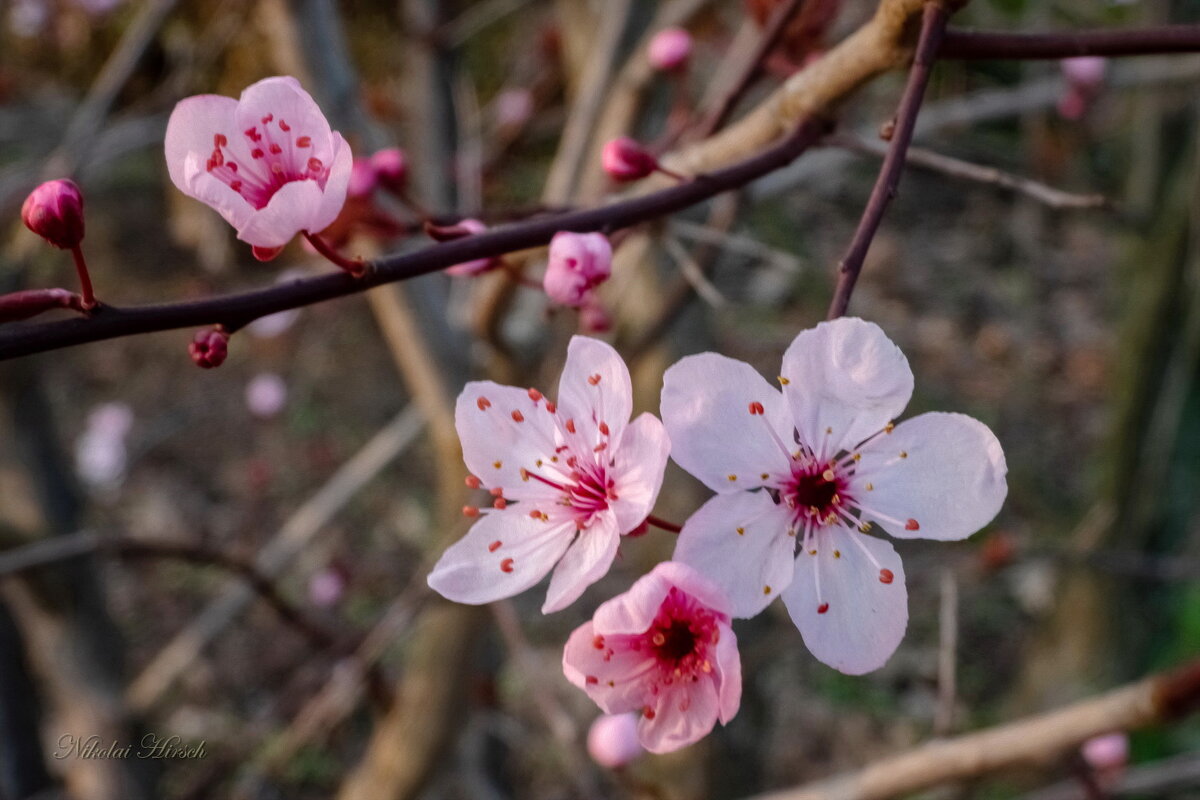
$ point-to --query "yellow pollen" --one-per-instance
(732, 477)
(705, 666)
(904, 454)
(741, 531)
(891, 426)
(857, 456)
(837, 553)
(497, 464)
(866, 526)
(870, 487)
(837, 500)
(828, 475)
(539, 462)
(765, 475)
(766, 590)
(812, 552)
(783, 381)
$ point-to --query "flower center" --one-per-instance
(680, 637)
(277, 154)
(678, 641)
(816, 491)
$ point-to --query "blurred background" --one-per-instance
(322, 447)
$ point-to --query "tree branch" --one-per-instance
(933, 25)
(977, 45)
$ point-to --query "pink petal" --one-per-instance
(641, 460)
(336, 186)
(684, 713)
(496, 446)
(595, 388)
(706, 405)
(232, 207)
(190, 130)
(729, 672)
(476, 570)
(633, 611)
(615, 666)
(864, 618)
(846, 381)
(284, 99)
(753, 566)
(950, 483)
(585, 562)
(292, 209)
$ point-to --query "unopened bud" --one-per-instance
(578, 262)
(670, 49)
(391, 168)
(209, 348)
(31, 302)
(613, 740)
(468, 227)
(363, 178)
(626, 160)
(54, 211)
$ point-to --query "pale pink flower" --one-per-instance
(512, 107)
(1108, 753)
(268, 162)
(266, 395)
(479, 265)
(612, 740)
(569, 479)
(803, 474)
(663, 648)
(670, 49)
(578, 263)
(101, 455)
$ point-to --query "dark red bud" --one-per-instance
(626, 160)
(209, 348)
(54, 211)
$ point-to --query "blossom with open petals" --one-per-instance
(568, 478)
(663, 648)
(801, 475)
(268, 162)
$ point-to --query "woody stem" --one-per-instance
(658, 522)
(354, 266)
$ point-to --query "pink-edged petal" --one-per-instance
(190, 131)
(706, 406)
(684, 713)
(336, 186)
(289, 211)
(864, 618)
(743, 543)
(232, 207)
(641, 460)
(594, 389)
(846, 381)
(476, 570)
(285, 100)
(729, 675)
(949, 483)
(585, 562)
(633, 611)
(608, 669)
(503, 430)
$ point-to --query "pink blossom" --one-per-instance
(266, 395)
(54, 211)
(578, 263)
(612, 740)
(479, 265)
(363, 179)
(801, 475)
(100, 452)
(391, 168)
(268, 162)
(670, 49)
(512, 107)
(663, 648)
(326, 587)
(1084, 71)
(626, 160)
(1107, 754)
(568, 479)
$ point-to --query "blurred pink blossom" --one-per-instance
(266, 395)
(670, 49)
(1084, 76)
(578, 263)
(512, 107)
(612, 740)
(479, 265)
(1108, 754)
(391, 168)
(362, 178)
(626, 160)
(326, 587)
(100, 452)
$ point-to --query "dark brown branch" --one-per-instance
(933, 25)
(236, 310)
(974, 45)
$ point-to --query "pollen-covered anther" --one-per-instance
(494, 546)
(524, 474)
(756, 409)
(518, 416)
(828, 475)
(866, 526)
(824, 607)
(470, 511)
(886, 576)
(500, 503)
(535, 395)
(783, 381)
(483, 403)
(570, 426)
(506, 565)
(472, 482)
(870, 487)
(912, 525)
(603, 428)
(594, 379)
(741, 531)
(904, 454)
(732, 477)
(891, 426)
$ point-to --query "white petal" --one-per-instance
(190, 131)
(950, 483)
(476, 570)
(618, 669)
(865, 618)
(706, 403)
(741, 542)
(640, 461)
(585, 562)
(594, 388)
(846, 381)
(684, 713)
(496, 446)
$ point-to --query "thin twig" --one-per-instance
(1067, 44)
(933, 24)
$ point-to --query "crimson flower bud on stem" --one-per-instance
(54, 211)
(670, 49)
(626, 160)
(391, 168)
(209, 347)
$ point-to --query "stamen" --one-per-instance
(756, 409)
(506, 565)
(483, 403)
(594, 379)
(500, 503)
(821, 609)
(518, 416)
(886, 576)
(494, 546)
(535, 395)
(304, 141)
(472, 482)
(470, 511)
(912, 525)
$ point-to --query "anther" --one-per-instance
(891, 426)
(535, 395)
(591, 680)
(658, 639)
(500, 503)
(494, 546)
(904, 454)
(741, 531)
(756, 409)
(551, 407)
(886, 576)
(598, 642)
(535, 514)
(732, 477)
(821, 609)
(783, 381)
(766, 590)
(648, 712)
(837, 553)
(518, 416)
(506, 565)
(870, 487)
(912, 525)
(865, 527)
(828, 476)
(483, 403)
(470, 511)
(594, 379)
(603, 428)
(304, 141)
(472, 482)
(570, 426)
(497, 464)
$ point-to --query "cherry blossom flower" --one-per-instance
(663, 648)
(801, 475)
(568, 478)
(266, 395)
(612, 740)
(578, 263)
(268, 162)
(670, 49)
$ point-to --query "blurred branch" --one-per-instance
(933, 25)
(1068, 44)
(476, 17)
(1160, 698)
(1165, 778)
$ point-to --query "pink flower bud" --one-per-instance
(266, 395)
(670, 49)
(467, 227)
(578, 263)
(391, 168)
(1107, 753)
(512, 108)
(326, 587)
(613, 740)
(209, 348)
(54, 211)
(626, 160)
(363, 178)
(1084, 71)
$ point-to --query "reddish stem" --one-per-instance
(664, 524)
(355, 266)
(85, 280)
